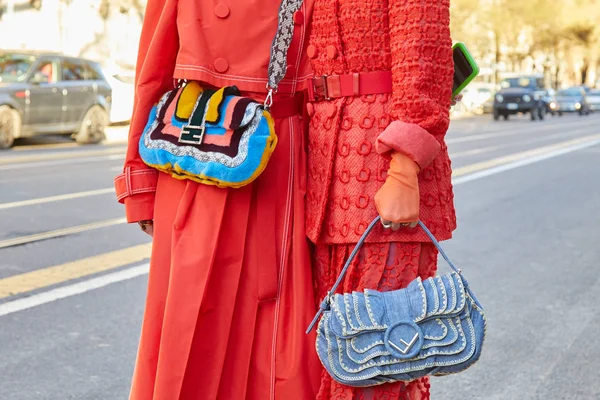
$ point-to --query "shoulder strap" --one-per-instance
(326, 301)
(281, 42)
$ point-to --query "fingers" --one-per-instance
(150, 231)
(386, 224)
(456, 99)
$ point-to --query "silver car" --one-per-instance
(46, 93)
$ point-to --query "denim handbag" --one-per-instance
(432, 327)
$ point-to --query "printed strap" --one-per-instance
(327, 300)
(281, 45)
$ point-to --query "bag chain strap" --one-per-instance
(327, 300)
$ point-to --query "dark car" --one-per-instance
(521, 95)
(572, 100)
(45, 93)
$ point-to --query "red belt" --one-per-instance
(348, 85)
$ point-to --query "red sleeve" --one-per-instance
(422, 69)
(159, 43)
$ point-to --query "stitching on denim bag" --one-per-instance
(436, 300)
(442, 289)
(424, 297)
(356, 310)
(437, 338)
(461, 290)
(453, 297)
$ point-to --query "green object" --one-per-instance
(465, 67)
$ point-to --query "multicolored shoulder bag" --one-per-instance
(218, 137)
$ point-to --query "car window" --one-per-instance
(72, 70)
(521, 82)
(569, 92)
(14, 67)
(46, 71)
(91, 73)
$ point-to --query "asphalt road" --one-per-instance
(72, 273)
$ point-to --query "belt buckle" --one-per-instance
(320, 88)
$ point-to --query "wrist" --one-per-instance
(402, 162)
(145, 224)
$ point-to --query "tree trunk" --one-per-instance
(584, 71)
(498, 57)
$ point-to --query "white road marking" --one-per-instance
(527, 158)
(501, 164)
(75, 161)
(481, 150)
(50, 199)
(61, 232)
(513, 130)
(72, 289)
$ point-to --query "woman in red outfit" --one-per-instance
(379, 111)
(230, 286)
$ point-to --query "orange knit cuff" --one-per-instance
(409, 139)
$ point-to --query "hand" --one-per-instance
(397, 201)
(147, 226)
(456, 99)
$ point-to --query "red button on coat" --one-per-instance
(222, 10)
(298, 18)
(331, 52)
(221, 65)
(311, 51)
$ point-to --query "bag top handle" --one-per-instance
(327, 300)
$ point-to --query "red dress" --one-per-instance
(410, 38)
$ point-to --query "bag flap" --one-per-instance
(358, 313)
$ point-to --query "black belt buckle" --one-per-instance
(192, 134)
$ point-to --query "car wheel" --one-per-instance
(93, 126)
(10, 125)
(560, 114)
(496, 115)
(505, 117)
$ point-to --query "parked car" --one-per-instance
(593, 99)
(520, 95)
(47, 93)
(572, 100)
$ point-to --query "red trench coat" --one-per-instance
(230, 290)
